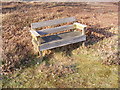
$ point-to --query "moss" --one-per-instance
(90, 73)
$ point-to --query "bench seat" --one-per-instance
(58, 40)
(60, 36)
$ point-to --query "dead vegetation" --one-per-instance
(17, 47)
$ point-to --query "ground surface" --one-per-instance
(70, 66)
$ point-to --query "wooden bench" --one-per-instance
(58, 36)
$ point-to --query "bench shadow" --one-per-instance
(94, 35)
(50, 38)
(24, 58)
(97, 34)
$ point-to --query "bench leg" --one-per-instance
(40, 55)
(83, 44)
(34, 46)
(36, 49)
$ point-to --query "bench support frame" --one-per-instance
(37, 40)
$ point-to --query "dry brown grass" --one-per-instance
(60, 64)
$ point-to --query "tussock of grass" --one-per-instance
(86, 72)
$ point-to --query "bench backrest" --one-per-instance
(52, 22)
(55, 30)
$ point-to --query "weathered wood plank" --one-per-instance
(52, 22)
(56, 29)
(58, 36)
(62, 42)
(61, 36)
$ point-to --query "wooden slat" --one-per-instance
(52, 22)
(56, 29)
(62, 42)
(61, 36)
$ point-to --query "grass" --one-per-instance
(87, 72)
(65, 67)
